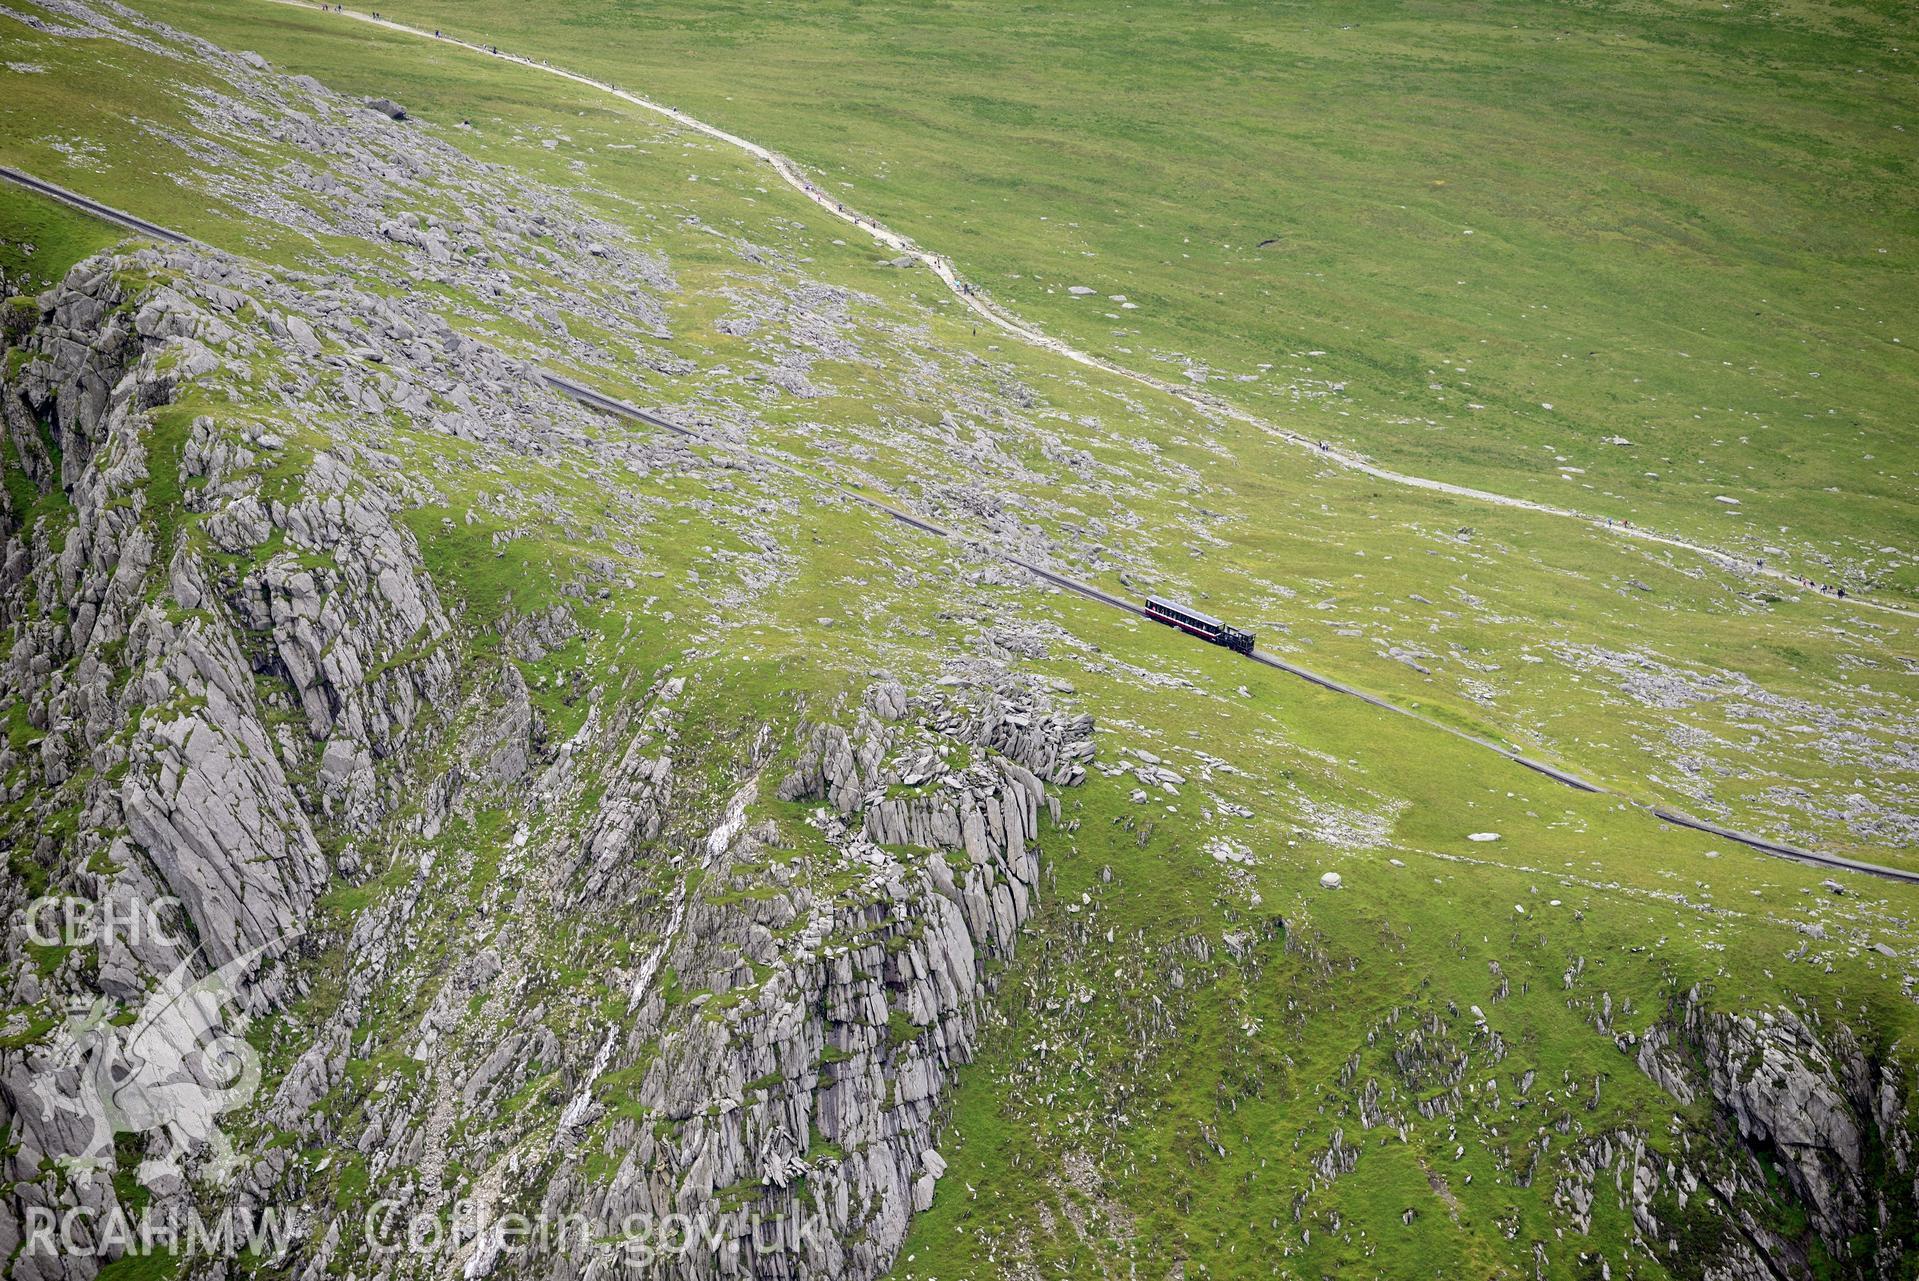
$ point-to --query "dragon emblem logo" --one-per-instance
(181, 1063)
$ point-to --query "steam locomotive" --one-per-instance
(1204, 626)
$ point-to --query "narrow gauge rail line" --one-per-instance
(608, 404)
(603, 403)
(106, 213)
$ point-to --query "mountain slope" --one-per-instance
(1620, 257)
(604, 825)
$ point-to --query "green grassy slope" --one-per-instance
(39, 239)
(1171, 1059)
(1506, 234)
(1496, 630)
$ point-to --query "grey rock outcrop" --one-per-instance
(814, 1099)
(152, 676)
(1804, 1098)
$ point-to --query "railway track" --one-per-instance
(608, 404)
(106, 213)
(599, 401)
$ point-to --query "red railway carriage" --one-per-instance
(1204, 626)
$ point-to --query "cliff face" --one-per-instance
(1808, 1124)
(238, 694)
(153, 766)
(195, 656)
(804, 1104)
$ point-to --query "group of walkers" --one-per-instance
(1810, 585)
(1759, 566)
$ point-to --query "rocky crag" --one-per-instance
(236, 687)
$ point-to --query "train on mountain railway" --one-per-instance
(1204, 626)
